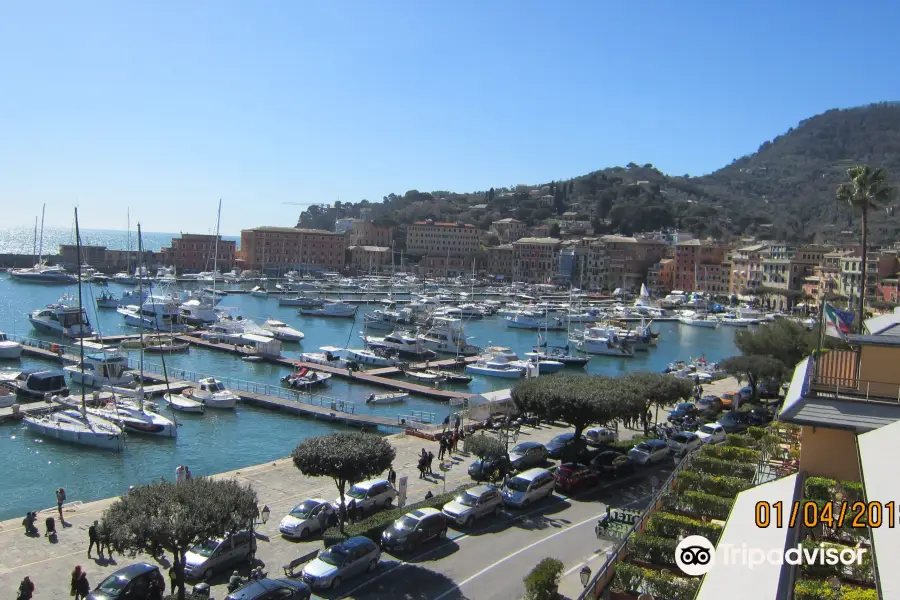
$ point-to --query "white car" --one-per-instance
(684, 442)
(369, 496)
(597, 436)
(309, 517)
(649, 452)
(711, 433)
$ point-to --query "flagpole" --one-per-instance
(821, 335)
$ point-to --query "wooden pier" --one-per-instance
(34, 409)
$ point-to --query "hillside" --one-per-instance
(785, 190)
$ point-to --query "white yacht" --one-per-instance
(199, 309)
(232, 331)
(107, 300)
(497, 366)
(300, 301)
(78, 427)
(43, 273)
(9, 349)
(213, 394)
(259, 292)
(406, 344)
(101, 369)
(281, 331)
(389, 398)
(532, 320)
(375, 357)
(447, 336)
(694, 319)
(155, 313)
(62, 319)
(133, 416)
(182, 403)
(328, 355)
(330, 308)
(605, 342)
(388, 320)
(504, 351)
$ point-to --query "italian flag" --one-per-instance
(837, 322)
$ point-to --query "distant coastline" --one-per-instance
(20, 240)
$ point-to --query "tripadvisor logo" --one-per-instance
(695, 555)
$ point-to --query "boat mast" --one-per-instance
(141, 328)
(80, 308)
(41, 247)
(128, 242)
(216, 250)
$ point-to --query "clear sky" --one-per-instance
(165, 106)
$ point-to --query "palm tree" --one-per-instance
(865, 189)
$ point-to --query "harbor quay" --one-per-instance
(278, 484)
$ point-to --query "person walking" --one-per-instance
(421, 467)
(392, 475)
(187, 473)
(94, 539)
(105, 543)
(82, 587)
(442, 441)
(428, 461)
(26, 589)
(76, 575)
(60, 500)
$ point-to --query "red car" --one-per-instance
(575, 476)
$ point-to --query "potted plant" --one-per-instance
(542, 582)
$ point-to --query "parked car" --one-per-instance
(203, 560)
(129, 582)
(342, 561)
(730, 399)
(414, 529)
(571, 477)
(527, 454)
(269, 589)
(759, 416)
(473, 504)
(734, 422)
(599, 436)
(484, 468)
(684, 442)
(369, 496)
(564, 445)
(710, 402)
(711, 433)
(685, 409)
(309, 517)
(613, 464)
(649, 452)
(528, 487)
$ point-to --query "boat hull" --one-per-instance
(365, 358)
(10, 350)
(699, 323)
(312, 312)
(502, 373)
(602, 349)
(90, 380)
(45, 428)
(185, 405)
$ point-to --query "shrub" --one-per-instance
(820, 488)
(862, 572)
(659, 584)
(717, 485)
(717, 466)
(373, 525)
(738, 441)
(854, 491)
(625, 445)
(698, 503)
(652, 549)
(674, 526)
(543, 580)
(731, 453)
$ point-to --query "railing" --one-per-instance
(605, 573)
(856, 389)
(36, 343)
(416, 416)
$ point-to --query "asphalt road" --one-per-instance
(490, 561)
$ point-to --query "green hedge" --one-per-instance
(854, 491)
(674, 526)
(820, 488)
(543, 580)
(717, 466)
(818, 589)
(717, 485)
(734, 453)
(625, 445)
(861, 572)
(698, 503)
(738, 441)
(652, 549)
(659, 584)
(373, 525)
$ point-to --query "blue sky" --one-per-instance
(165, 107)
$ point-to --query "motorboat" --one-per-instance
(9, 349)
(101, 369)
(695, 319)
(37, 384)
(591, 315)
(450, 376)
(182, 403)
(133, 417)
(259, 292)
(301, 301)
(43, 273)
(376, 357)
(447, 336)
(329, 308)
(496, 366)
(232, 331)
(328, 355)
(78, 427)
(545, 366)
(62, 320)
(388, 320)
(405, 344)
(560, 354)
(504, 351)
(737, 320)
(306, 378)
(199, 311)
(424, 376)
(157, 313)
(532, 320)
(389, 398)
(281, 331)
(605, 342)
(107, 300)
(213, 394)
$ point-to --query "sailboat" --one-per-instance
(78, 426)
(41, 272)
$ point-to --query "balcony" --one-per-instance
(835, 375)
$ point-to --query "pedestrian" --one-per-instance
(29, 523)
(26, 589)
(94, 539)
(76, 575)
(392, 475)
(82, 587)
(456, 423)
(60, 500)
(428, 495)
(421, 467)
(155, 591)
(442, 441)
(187, 473)
(454, 442)
(173, 577)
(424, 453)
(105, 543)
(351, 509)
(428, 460)
(649, 417)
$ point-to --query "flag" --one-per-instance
(837, 322)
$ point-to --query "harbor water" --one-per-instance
(226, 440)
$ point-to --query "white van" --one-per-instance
(527, 487)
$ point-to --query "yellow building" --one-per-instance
(281, 249)
(442, 239)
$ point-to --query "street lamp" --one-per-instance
(585, 575)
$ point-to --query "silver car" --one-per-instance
(340, 562)
(203, 560)
(473, 504)
(309, 517)
(369, 496)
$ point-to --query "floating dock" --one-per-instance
(33, 409)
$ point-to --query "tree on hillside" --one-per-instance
(753, 369)
(554, 230)
(866, 189)
(646, 390)
(788, 341)
(177, 516)
(346, 457)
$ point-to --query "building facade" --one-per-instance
(629, 259)
(280, 249)
(508, 230)
(698, 267)
(536, 259)
(746, 268)
(500, 262)
(442, 239)
(194, 252)
(366, 233)
(369, 259)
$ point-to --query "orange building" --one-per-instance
(281, 249)
(195, 252)
(698, 267)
